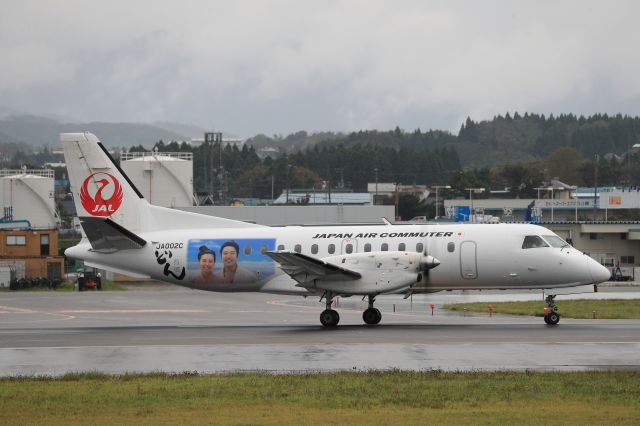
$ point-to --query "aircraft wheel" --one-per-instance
(371, 316)
(552, 318)
(329, 318)
(379, 314)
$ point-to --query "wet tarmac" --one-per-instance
(177, 330)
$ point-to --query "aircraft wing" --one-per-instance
(305, 269)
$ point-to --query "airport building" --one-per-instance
(325, 198)
(31, 253)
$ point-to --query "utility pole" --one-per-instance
(375, 198)
(213, 138)
(272, 185)
(595, 184)
(221, 174)
(288, 168)
(436, 187)
(397, 198)
(471, 191)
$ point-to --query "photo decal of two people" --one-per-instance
(229, 273)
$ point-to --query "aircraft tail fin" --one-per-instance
(102, 190)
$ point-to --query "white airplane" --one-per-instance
(124, 233)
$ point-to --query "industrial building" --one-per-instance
(164, 178)
(298, 215)
(29, 224)
(28, 195)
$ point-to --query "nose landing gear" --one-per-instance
(551, 315)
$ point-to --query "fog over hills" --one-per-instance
(39, 131)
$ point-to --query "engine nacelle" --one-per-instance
(382, 271)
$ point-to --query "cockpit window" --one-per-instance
(555, 241)
(533, 241)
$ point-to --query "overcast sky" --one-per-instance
(248, 67)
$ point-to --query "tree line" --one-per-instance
(514, 152)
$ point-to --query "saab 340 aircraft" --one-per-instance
(124, 233)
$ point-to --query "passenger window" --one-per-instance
(367, 247)
(402, 247)
(332, 248)
(247, 250)
(419, 247)
(263, 248)
(314, 249)
(281, 247)
(349, 248)
(451, 247)
(533, 241)
(384, 247)
(297, 248)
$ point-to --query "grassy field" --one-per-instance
(605, 309)
(339, 398)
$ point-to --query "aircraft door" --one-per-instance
(349, 245)
(468, 260)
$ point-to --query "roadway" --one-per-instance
(175, 330)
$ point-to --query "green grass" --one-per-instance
(605, 309)
(108, 285)
(391, 397)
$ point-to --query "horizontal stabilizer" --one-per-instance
(305, 269)
(107, 236)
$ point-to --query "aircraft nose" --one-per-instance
(599, 273)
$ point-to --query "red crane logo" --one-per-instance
(98, 205)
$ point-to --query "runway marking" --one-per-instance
(135, 311)
(10, 310)
(306, 345)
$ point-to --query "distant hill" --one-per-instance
(41, 131)
(533, 136)
(501, 140)
(504, 139)
(187, 130)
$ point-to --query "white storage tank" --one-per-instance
(164, 178)
(28, 195)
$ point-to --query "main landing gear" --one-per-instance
(371, 315)
(551, 315)
(329, 317)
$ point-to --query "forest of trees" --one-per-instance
(519, 152)
(533, 136)
(350, 165)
